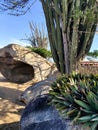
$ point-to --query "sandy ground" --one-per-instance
(10, 106)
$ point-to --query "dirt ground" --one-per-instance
(10, 106)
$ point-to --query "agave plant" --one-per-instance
(76, 97)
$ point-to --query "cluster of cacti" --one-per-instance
(76, 97)
(71, 27)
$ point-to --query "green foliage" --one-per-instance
(76, 97)
(41, 51)
(93, 54)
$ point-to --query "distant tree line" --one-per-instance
(93, 54)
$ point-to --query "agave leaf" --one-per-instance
(93, 95)
(53, 85)
(59, 97)
(82, 104)
(65, 103)
(67, 96)
(71, 112)
(91, 100)
(86, 111)
(63, 112)
(94, 126)
(60, 108)
(85, 118)
(77, 116)
(53, 93)
(95, 119)
(74, 88)
(96, 104)
(72, 82)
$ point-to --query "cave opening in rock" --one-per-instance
(18, 71)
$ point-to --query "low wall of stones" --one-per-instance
(88, 67)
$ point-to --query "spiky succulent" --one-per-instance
(75, 96)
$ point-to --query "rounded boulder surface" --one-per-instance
(38, 89)
(39, 115)
(19, 64)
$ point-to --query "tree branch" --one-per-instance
(17, 7)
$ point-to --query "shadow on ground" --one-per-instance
(12, 94)
(10, 126)
(10, 106)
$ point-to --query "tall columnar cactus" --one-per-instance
(71, 27)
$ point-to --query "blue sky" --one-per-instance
(15, 28)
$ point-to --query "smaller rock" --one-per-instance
(38, 89)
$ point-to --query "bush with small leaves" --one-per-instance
(41, 51)
(75, 96)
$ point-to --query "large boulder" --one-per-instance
(19, 64)
(39, 115)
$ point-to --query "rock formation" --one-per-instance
(39, 115)
(40, 88)
(19, 64)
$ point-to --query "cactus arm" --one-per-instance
(53, 49)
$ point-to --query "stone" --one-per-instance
(20, 64)
(39, 115)
(40, 88)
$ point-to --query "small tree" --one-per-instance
(38, 36)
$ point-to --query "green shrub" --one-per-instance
(41, 51)
(76, 97)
